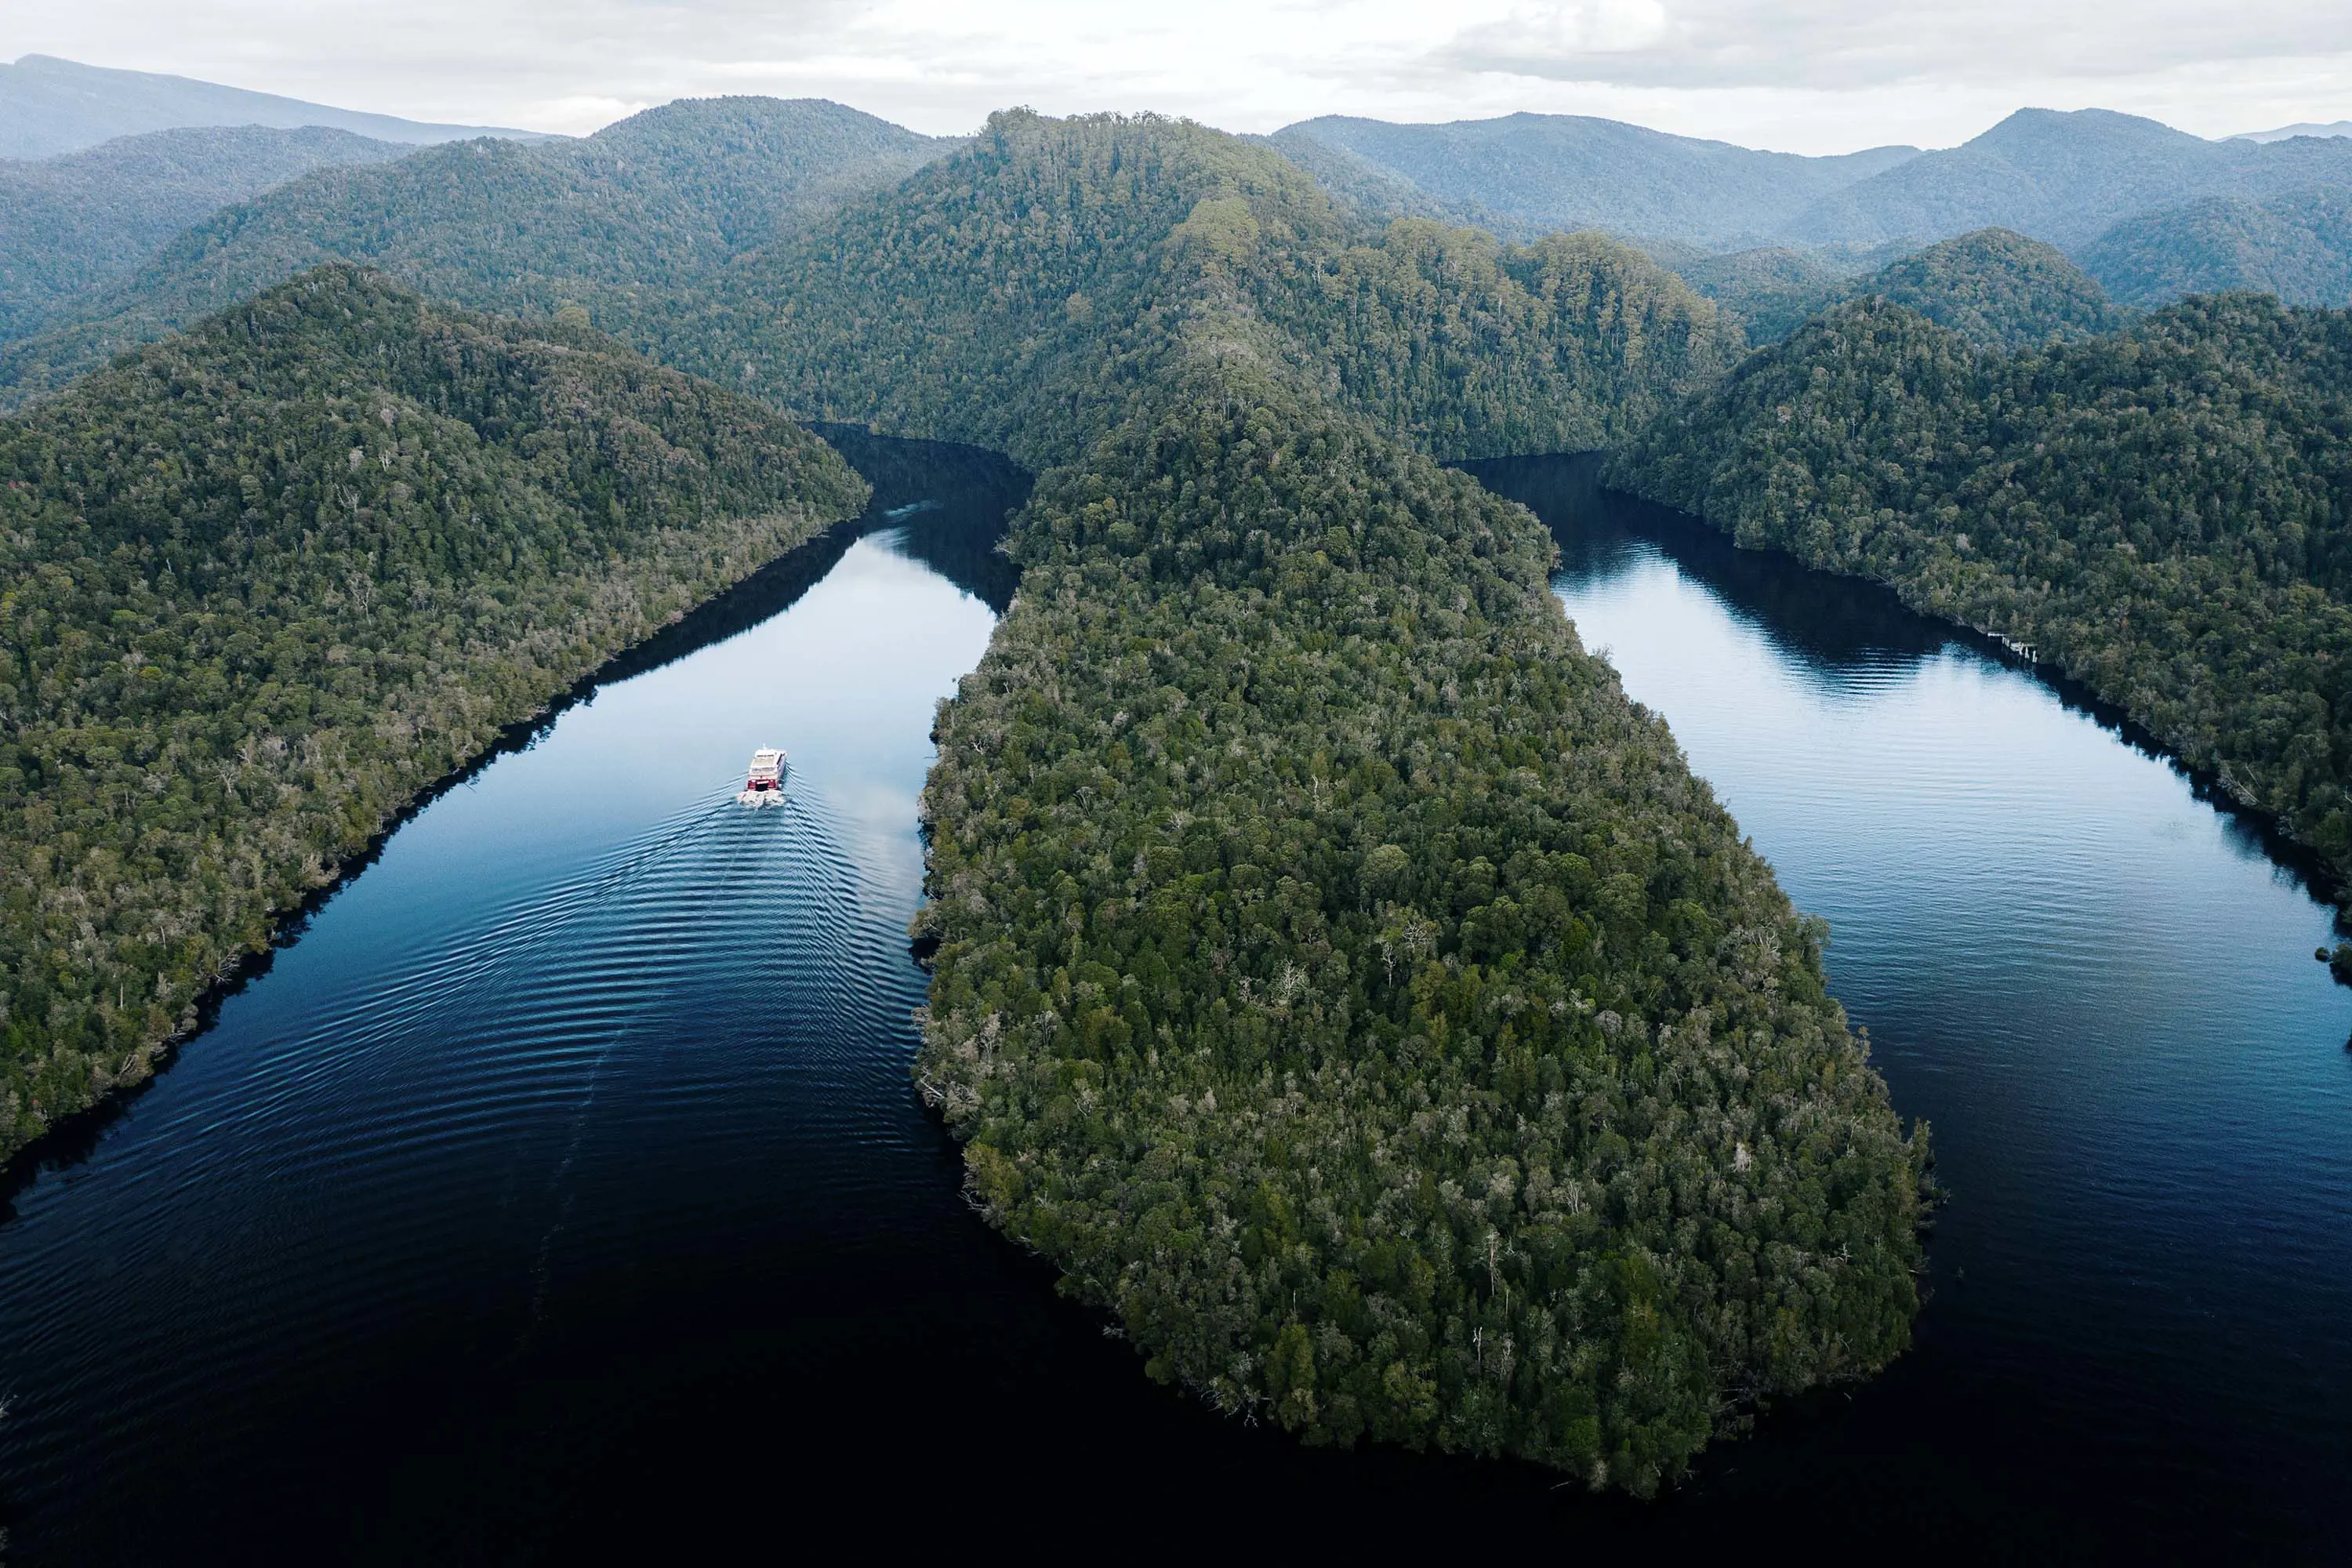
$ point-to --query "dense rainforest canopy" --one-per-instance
(262, 584)
(2165, 513)
(1016, 300)
(2296, 245)
(1336, 976)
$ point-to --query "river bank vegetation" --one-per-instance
(2160, 512)
(265, 582)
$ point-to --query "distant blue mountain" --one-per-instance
(2063, 178)
(2334, 128)
(1533, 173)
(49, 106)
(77, 221)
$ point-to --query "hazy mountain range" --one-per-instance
(658, 201)
(115, 244)
(49, 106)
(2152, 212)
(2335, 128)
(2061, 177)
(73, 222)
(2064, 178)
(1536, 174)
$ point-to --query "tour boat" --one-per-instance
(766, 784)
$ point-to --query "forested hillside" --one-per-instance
(2296, 245)
(1336, 976)
(1469, 347)
(262, 584)
(2165, 513)
(1995, 288)
(1376, 191)
(69, 224)
(1772, 288)
(1998, 290)
(610, 222)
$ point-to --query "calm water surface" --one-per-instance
(559, 1193)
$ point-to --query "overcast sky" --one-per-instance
(1808, 76)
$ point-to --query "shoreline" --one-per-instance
(2312, 871)
(71, 1138)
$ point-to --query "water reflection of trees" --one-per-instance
(1834, 624)
(1831, 624)
(949, 499)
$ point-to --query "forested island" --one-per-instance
(2161, 512)
(262, 584)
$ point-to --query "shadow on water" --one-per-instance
(952, 500)
(1831, 625)
(1600, 533)
(2096, 984)
(950, 503)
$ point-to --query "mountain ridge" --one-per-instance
(2060, 176)
(1994, 287)
(652, 202)
(1544, 173)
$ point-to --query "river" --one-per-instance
(559, 1191)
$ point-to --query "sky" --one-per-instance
(1803, 75)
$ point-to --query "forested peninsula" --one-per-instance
(1336, 976)
(2160, 512)
(262, 584)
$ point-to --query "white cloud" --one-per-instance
(580, 114)
(1838, 44)
(1805, 75)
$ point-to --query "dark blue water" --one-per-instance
(560, 1193)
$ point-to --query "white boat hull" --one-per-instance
(765, 786)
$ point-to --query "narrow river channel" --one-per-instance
(560, 1192)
